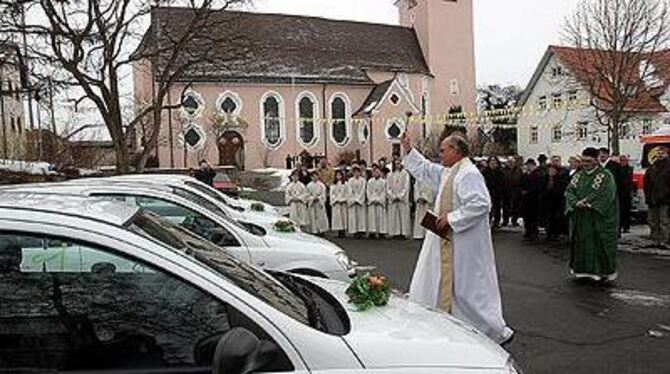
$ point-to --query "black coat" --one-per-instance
(657, 183)
(205, 176)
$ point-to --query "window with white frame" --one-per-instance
(624, 130)
(583, 130)
(363, 131)
(229, 104)
(572, 97)
(192, 104)
(557, 71)
(339, 109)
(307, 114)
(557, 100)
(395, 99)
(272, 114)
(534, 135)
(556, 134)
(542, 103)
(395, 128)
(647, 126)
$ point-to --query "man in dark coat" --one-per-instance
(531, 189)
(495, 182)
(657, 196)
(612, 164)
(205, 174)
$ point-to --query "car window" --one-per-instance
(211, 193)
(190, 220)
(195, 198)
(67, 305)
(222, 177)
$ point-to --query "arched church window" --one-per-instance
(272, 120)
(306, 120)
(229, 104)
(338, 115)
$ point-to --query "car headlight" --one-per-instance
(344, 260)
(512, 368)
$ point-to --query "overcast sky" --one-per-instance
(510, 35)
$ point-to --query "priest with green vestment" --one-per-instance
(592, 206)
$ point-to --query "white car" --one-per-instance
(295, 252)
(196, 195)
(100, 286)
(184, 181)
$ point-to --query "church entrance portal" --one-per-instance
(231, 149)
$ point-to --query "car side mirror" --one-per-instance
(239, 351)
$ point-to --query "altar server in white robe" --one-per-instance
(338, 201)
(458, 274)
(356, 201)
(424, 197)
(316, 206)
(376, 194)
(296, 197)
(399, 217)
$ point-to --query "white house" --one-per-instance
(557, 118)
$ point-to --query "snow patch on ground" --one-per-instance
(33, 168)
(639, 298)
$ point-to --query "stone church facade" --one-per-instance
(320, 86)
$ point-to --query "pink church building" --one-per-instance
(326, 87)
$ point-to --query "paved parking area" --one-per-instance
(563, 326)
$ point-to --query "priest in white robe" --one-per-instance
(296, 196)
(458, 274)
(356, 201)
(316, 206)
(399, 217)
(376, 194)
(424, 198)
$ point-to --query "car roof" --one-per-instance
(79, 185)
(112, 212)
(152, 177)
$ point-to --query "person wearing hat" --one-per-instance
(592, 205)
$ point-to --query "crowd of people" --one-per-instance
(534, 191)
(381, 200)
(354, 199)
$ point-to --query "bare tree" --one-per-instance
(94, 45)
(621, 55)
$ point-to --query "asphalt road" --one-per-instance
(562, 326)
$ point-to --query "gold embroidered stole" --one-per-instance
(447, 247)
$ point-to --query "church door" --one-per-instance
(231, 149)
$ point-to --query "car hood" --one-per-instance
(300, 241)
(404, 333)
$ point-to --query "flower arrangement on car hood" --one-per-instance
(284, 226)
(369, 290)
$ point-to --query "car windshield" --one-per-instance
(195, 198)
(246, 277)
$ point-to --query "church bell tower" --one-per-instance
(445, 29)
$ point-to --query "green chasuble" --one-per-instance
(594, 231)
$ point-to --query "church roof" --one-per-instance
(282, 48)
(374, 98)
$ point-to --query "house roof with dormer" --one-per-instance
(583, 64)
(295, 49)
